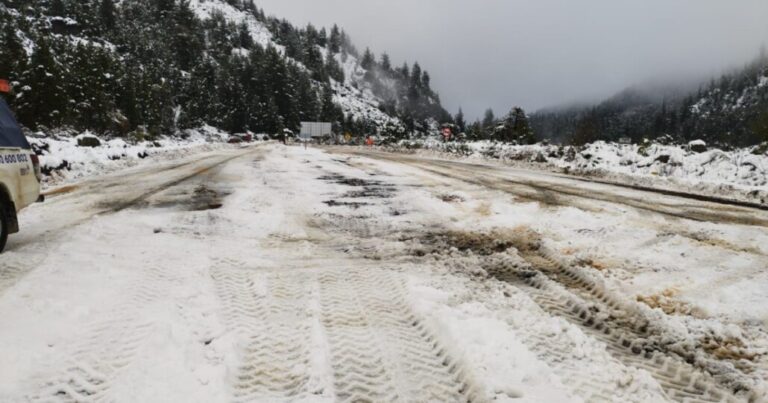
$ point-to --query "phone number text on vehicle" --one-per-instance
(13, 158)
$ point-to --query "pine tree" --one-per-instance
(489, 119)
(333, 68)
(405, 72)
(188, 42)
(57, 8)
(334, 42)
(165, 7)
(13, 57)
(107, 14)
(416, 76)
(475, 131)
(386, 64)
(313, 59)
(245, 40)
(311, 35)
(521, 132)
(760, 127)
(587, 130)
(460, 122)
(368, 60)
(347, 46)
(330, 111)
(322, 38)
(308, 103)
(426, 80)
(42, 100)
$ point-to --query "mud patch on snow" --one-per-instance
(366, 189)
(61, 190)
(353, 205)
(484, 209)
(202, 197)
(370, 193)
(667, 301)
(707, 239)
(205, 198)
(594, 263)
(728, 348)
(354, 182)
(451, 198)
(477, 243)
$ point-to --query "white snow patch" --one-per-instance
(67, 162)
(738, 174)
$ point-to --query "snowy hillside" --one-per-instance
(360, 103)
(353, 94)
(205, 9)
(148, 67)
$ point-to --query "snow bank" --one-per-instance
(740, 174)
(62, 159)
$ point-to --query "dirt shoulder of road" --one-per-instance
(559, 189)
(722, 193)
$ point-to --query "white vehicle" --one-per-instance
(19, 173)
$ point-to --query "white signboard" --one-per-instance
(315, 129)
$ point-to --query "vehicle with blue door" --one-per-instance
(19, 172)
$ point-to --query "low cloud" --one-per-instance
(534, 53)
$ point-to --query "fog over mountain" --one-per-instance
(499, 53)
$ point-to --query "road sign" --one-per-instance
(316, 129)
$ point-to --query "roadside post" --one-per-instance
(305, 138)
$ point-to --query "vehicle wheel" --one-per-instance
(3, 224)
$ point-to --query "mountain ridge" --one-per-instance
(730, 111)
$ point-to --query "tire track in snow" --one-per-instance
(109, 345)
(646, 338)
(380, 350)
(577, 298)
(377, 348)
(681, 381)
(270, 315)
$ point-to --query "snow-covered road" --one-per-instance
(275, 273)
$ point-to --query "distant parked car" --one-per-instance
(235, 139)
(19, 174)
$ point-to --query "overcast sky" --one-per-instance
(539, 53)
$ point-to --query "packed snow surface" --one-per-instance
(273, 273)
